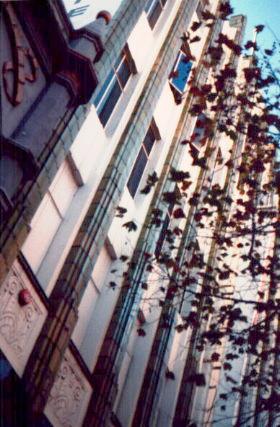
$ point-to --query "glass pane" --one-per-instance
(199, 130)
(137, 172)
(162, 234)
(149, 141)
(44, 226)
(104, 88)
(154, 14)
(148, 5)
(108, 81)
(124, 73)
(109, 103)
(182, 69)
(119, 60)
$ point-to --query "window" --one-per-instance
(163, 230)
(139, 166)
(49, 216)
(202, 7)
(86, 308)
(92, 294)
(163, 235)
(110, 92)
(153, 10)
(200, 132)
(179, 76)
(95, 309)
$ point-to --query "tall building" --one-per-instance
(95, 121)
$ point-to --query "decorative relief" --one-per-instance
(69, 395)
(19, 324)
(23, 66)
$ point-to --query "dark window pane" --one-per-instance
(171, 205)
(124, 73)
(182, 70)
(118, 61)
(148, 5)
(154, 14)
(137, 172)
(164, 226)
(103, 89)
(111, 90)
(149, 141)
(161, 238)
(109, 103)
(199, 130)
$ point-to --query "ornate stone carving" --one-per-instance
(69, 395)
(19, 325)
(22, 73)
(22, 58)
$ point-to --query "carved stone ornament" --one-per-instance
(19, 325)
(69, 395)
(23, 67)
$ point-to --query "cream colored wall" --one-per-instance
(91, 153)
(93, 138)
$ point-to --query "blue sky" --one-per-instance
(257, 11)
(266, 12)
(90, 9)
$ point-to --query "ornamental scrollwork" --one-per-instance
(69, 395)
(19, 325)
(23, 67)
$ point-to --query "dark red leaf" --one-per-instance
(195, 26)
(259, 28)
(178, 213)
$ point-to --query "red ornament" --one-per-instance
(24, 297)
(104, 14)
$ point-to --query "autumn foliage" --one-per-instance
(232, 295)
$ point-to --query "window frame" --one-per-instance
(50, 205)
(202, 5)
(150, 8)
(179, 59)
(165, 223)
(199, 132)
(164, 227)
(153, 129)
(113, 79)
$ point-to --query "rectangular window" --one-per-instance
(180, 73)
(49, 216)
(95, 309)
(164, 228)
(111, 91)
(200, 131)
(202, 7)
(86, 308)
(142, 159)
(153, 10)
(94, 288)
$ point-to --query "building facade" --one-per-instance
(93, 117)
